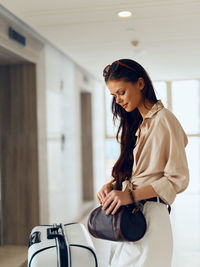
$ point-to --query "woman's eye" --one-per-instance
(122, 93)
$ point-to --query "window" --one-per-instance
(186, 104)
(161, 91)
(186, 107)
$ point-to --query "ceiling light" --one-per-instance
(124, 14)
(135, 43)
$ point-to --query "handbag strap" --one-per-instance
(155, 199)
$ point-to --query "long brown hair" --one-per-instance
(128, 121)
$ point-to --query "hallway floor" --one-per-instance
(13, 256)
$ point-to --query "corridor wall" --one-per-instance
(64, 83)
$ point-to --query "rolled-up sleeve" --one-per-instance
(176, 173)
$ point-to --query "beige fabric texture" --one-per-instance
(159, 154)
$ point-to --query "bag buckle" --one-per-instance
(139, 206)
(136, 209)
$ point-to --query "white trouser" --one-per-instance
(155, 249)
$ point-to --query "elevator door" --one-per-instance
(87, 154)
(18, 151)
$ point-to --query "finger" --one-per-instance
(104, 200)
(116, 208)
(109, 195)
(112, 206)
(107, 202)
(103, 195)
(99, 197)
(99, 200)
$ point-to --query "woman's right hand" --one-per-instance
(107, 188)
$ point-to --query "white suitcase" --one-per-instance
(63, 245)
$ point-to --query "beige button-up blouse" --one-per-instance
(159, 154)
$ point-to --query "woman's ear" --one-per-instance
(140, 83)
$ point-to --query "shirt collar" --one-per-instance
(155, 108)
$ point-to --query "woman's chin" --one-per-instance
(129, 109)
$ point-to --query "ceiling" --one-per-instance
(91, 33)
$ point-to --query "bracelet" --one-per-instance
(131, 195)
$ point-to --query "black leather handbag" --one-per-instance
(127, 224)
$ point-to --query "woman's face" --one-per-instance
(127, 94)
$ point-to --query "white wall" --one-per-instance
(63, 117)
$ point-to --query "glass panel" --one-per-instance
(112, 154)
(112, 148)
(161, 91)
(109, 165)
(186, 104)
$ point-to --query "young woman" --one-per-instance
(152, 166)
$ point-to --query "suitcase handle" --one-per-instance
(34, 238)
(54, 232)
(57, 232)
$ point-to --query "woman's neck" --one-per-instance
(144, 109)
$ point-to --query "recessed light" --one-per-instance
(135, 43)
(124, 14)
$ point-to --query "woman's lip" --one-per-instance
(125, 105)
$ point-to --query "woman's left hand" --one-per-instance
(116, 198)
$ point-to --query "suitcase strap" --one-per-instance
(56, 233)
